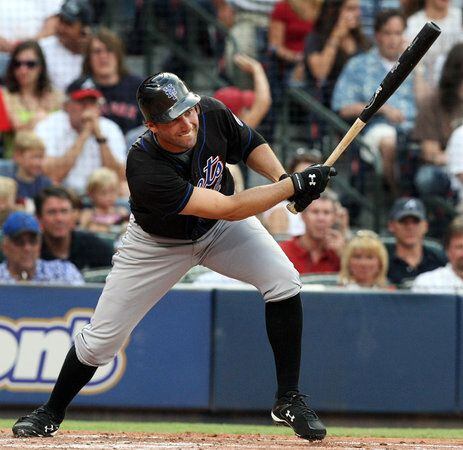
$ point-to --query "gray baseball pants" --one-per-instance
(145, 267)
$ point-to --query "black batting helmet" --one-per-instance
(164, 97)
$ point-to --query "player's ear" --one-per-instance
(151, 126)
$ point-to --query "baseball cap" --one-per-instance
(19, 222)
(235, 99)
(407, 207)
(83, 88)
(77, 10)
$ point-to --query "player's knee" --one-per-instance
(287, 284)
(93, 350)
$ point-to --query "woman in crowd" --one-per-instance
(336, 37)
(364, 262)
(28, 96)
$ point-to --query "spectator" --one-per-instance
(29, 96)
(454, 166)
(362, 75)
(21, 247)
(78, 140)
(448, 279)
(318, 250)
(104, 216)
(29, 154)
(409, 256)
(449, 19)
(278, 220)
(55, 210)
(439, 114)
(364, 262)
(104, 63)
(337, 36)
(22, 20)
(64, 50)
(370, 8)
(8, 193)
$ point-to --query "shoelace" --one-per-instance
(298, 405)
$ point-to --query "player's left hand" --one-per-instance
(301, 201)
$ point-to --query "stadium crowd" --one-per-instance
(68, 115)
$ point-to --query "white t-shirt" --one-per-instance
(442, 280)
(454, 152)
(59, 136)
(452, 32)
(63, 65)
(23, 19)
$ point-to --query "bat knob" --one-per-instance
(290, 207)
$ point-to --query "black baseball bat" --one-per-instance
(394, 78)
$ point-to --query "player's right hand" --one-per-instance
(313, 180)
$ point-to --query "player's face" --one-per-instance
(102, 60)
(364, 267)
(455, 253)
(390, 38)
(57, 218)
(319, 217)
(180, 134)
(22, 251)
(409, 231)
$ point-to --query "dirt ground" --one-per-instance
(143, 441)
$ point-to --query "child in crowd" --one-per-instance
(105, 216)
(29, 154)
(8, 190)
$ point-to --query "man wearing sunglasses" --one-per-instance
(21, 248)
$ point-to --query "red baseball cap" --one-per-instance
(80, 89)
(235, 98)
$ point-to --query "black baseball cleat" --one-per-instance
(39, 423)
(292, 411)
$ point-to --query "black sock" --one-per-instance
(73, 377)
(284, 330)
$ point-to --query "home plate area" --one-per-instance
(141, 441)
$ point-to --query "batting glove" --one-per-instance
(313, 180)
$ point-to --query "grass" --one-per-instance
(220, 428)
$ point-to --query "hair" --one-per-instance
(102, 178)
(326, 21)
(54, 191)
(27, 140)
(8, 189)
(43, 82)
(385, 15)
(303, 156)
(453, 230)
(367, 241)
(451, 79)
(113, 43)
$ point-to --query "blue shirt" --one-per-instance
(56, 271)
(32, 189)
(359, 80)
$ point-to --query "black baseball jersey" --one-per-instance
(161, 182)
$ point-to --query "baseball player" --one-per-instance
(184, 213)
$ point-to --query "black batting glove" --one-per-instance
(313, 180)
(301, 201)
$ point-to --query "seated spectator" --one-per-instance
(370, 8)
(448, 279)
(55, 210)
(409, 257)
(438, 116)
(22, 20)
(278, 220)
(104, 63)
(364, 262)
(454, 165)
(78, 140)
(64, 50)
(337, 36)
(104, 216)
(21, 247)
(449, 19)
(29, 96)
(8, 194)
(318, 250)
(29, 154)
(361, 76)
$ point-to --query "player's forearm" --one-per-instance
(263, 161)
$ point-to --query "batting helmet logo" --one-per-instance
(170, 91)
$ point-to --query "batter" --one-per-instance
(185, 213)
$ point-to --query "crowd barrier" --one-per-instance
(207, 349)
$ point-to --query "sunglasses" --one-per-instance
(23, 240)
(30, 64)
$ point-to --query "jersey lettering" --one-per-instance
(213, 171)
